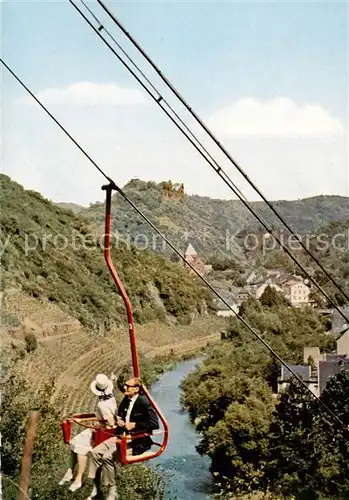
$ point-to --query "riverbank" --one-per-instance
(68, 364)
(185, 473)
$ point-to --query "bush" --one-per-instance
(31, 342)
(75, 276)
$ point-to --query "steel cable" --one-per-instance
(218, 143)
(121, 192)
(222, 174)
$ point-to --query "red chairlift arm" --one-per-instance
(135, 363)
(87, 416)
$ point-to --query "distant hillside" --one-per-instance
(211, 225)
(54, 255)
(74, 207)
(331, 246)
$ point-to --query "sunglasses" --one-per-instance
(128, 385)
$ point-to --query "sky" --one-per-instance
(269, 79)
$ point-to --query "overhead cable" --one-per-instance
(217, 142)
(159, 99)
(126, 198)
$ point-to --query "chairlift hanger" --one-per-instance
(100, 433)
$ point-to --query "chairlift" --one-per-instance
(89, 420)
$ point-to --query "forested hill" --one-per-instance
(56, 256)
(330, 245)
(209, 223)
(285, 444)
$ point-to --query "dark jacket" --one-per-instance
(145, 418)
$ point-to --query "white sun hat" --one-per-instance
(102, 385)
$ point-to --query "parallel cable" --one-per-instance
(144, 217)
(159, 98)
(217, 168)
(218, 143)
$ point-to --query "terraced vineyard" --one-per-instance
(41, 317)
(73, 360)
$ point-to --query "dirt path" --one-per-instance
(185, 347)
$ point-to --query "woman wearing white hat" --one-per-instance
(81, 444)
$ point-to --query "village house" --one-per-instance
(223, 310)
(304, 372)
(343, 343)
(192, 257)
(227, 294)
(319, 367)
(296, 291)
(331, 367)
(291, 286)
(241, 294)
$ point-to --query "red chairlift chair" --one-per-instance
(89, 420)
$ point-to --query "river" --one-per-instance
(186, 473)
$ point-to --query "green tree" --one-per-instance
(291, 464)
(309, 456)
(332, 440)
(239, 444)
(222, 399)
(251, 304)
(271, 297)
(271, 373)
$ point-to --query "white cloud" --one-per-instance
(277, 117)
(136, 142)
(89, 94)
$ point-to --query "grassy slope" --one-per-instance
(56, 293)
(54, 255)
(59, 294)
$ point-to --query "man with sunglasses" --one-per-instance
(135, 414)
